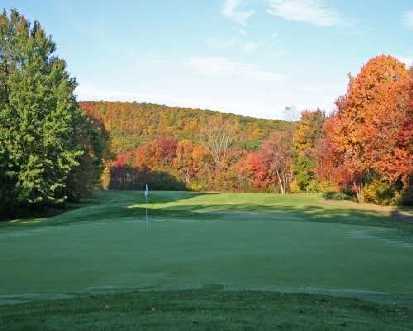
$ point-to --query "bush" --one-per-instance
(325, 187)
(380, 192)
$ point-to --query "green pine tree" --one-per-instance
(39, 147)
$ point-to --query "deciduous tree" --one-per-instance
(370, 122)
(307, 134)
(218, 137)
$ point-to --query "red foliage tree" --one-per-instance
(271, 166)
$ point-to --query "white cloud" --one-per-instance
(314, 12)
(408, 19)
(232, 11)
(223, 67)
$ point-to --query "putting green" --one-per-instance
(298, 243)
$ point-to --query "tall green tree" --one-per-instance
(39, 147)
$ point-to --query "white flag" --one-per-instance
(146, 192)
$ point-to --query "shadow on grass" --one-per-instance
(103, 206)
(118, 205)
(248, 212)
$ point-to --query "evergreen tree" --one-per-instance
(38, 117)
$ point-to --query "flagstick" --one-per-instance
(147, 219)
(146, 207)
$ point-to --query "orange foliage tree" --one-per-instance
(190, 160)
(371, 130)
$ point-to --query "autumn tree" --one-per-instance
(218, 137)
(331, 169)
(277, 155)
(158, 153)
(254, 174)
(189, 160)
(270, 168)
(307, 134)
(370, 125)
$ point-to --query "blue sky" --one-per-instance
(251, 57)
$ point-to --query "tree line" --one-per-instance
(131, 124)
(177, 148)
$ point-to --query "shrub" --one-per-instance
(380, 192)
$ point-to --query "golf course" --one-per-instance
(207, 261)
(206, 165)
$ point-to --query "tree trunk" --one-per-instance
(357, 188)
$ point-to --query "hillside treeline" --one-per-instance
(132, 124)
(178, 148)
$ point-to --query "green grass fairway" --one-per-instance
(208, 261)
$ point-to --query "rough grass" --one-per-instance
(207, 309)
(208, 261)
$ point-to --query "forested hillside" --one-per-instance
(177, 148)
(131, 124)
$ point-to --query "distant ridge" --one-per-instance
(130, 124)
